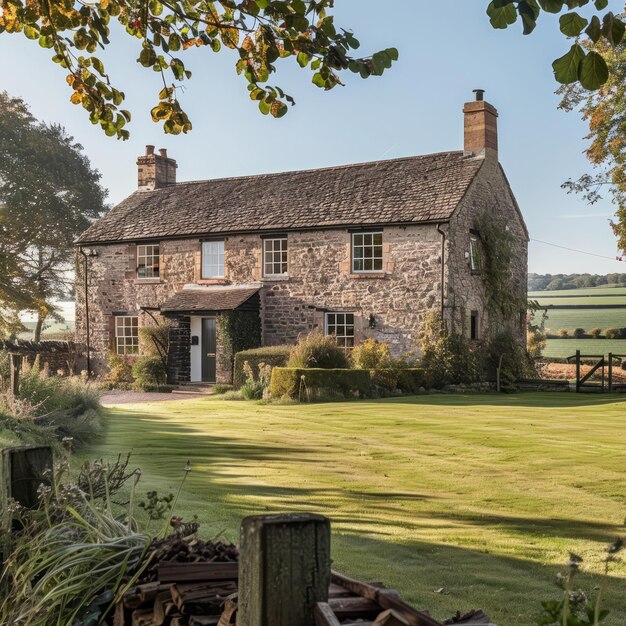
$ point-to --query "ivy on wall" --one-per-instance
(496, 267)
(238, 330)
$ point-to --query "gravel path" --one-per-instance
(112, 398)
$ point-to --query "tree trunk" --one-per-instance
(41, 318)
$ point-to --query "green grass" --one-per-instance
(585, 318)
(562, 348)
(479, 495)
(591, 291)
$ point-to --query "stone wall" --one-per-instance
(465, 292)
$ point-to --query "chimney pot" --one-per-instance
(480, 94)
(149, 150)
(163, 152)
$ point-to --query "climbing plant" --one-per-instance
(496, 267)
(238, 330)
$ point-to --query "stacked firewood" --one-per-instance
(195, 583)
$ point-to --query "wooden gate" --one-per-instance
(605, 364)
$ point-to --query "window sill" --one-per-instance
(213, 281)
(367, 275)
(475, 272)
(275, 279)
(148, 281)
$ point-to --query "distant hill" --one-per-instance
(554, 282)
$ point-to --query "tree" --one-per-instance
(260, 32)
(48, 195)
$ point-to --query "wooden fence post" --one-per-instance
(284, 569)
(23, 469)
(16, 364)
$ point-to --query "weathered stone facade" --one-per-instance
(425, 263)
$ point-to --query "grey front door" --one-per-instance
(209, 350)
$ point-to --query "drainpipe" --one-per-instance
(443, 266)
(86, 287)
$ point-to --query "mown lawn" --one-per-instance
(457, 501)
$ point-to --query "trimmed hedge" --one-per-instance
(406, 380)
(296, 382)
(276, 356)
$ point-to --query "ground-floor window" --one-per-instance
(341, 325)
(127, 334)
(474, 329)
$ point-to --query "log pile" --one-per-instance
(205, 594)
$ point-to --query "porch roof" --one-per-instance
(205, 300)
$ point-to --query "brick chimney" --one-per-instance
(481, 127)
(155, 170)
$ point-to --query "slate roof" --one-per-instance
(397, 191)
(207, 300)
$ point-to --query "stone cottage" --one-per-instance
(356, 251)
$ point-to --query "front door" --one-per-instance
(209, 349)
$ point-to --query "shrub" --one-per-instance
(447, 357)
(408, 380)
(254, 388)
(563, 333)
(274, 356)
(595, 333)
(370, 355)
(535, 343)
(120, 369)
(317, 351)
(149, 372)
(155, 340)
(579, 333)
(612, 333)
(305, 384)
(506, 351)
(220, 389)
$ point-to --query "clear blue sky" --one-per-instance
(447, 48)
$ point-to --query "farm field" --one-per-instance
(562, 348)
(457, 501)
(591, 291)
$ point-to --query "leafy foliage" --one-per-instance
(149, 372)
(275, 356)
(307, 384)
(603, 110)
(318, 351)
(370, 355)
(447, 356)
(584, 66)
(259, 33)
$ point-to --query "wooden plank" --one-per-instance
(204, 620)
(285, 569)
(229, 614)
(389, 618)
(386, 600)
(203, 598)
(324, 615)
(354, 606)
(188, 572)
(142, 617)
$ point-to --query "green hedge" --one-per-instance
(302, 384)
(406, 380)
(276, 356)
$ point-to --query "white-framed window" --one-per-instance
(126, 334)
(212, 259)
(148, 261)
(367, 252)
(341, 326)
(474, 253)
(275, 256)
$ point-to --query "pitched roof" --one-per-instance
(208, 300)
(397, 191)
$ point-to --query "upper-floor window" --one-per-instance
(126, 334)
(474, 253)
(212, 259)
(341, 326)
(367, 252)
(148, 261)
(275, 256)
